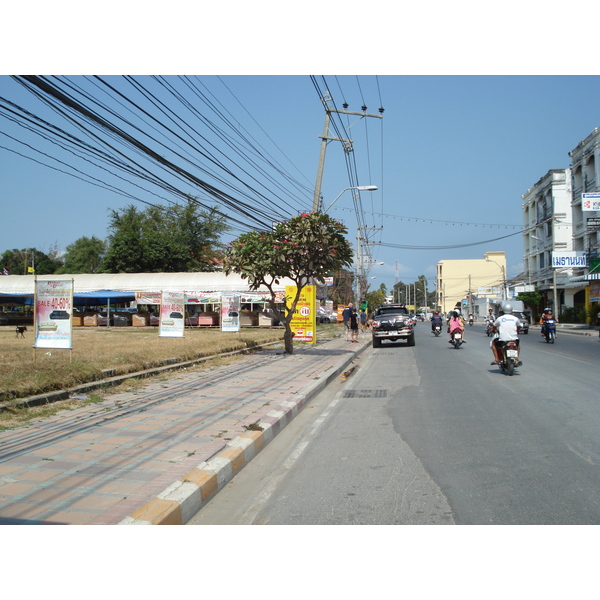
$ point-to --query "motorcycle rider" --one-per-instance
(508, 327)
(489, 319)
(471, 318)
(547, 314)
(456, 323)
(436, 319)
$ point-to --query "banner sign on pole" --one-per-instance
(172, 313)
(53, 312)
(230, 313)
(304, 321)
(569, 259)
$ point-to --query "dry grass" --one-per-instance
(26, 372)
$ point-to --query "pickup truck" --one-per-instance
(392, 322)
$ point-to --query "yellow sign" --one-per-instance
(304, 321)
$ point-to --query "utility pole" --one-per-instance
(325, 137)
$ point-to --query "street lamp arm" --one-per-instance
(360, 188)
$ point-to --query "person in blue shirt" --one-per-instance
(346, 318)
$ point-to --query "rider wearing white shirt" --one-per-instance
(507, 326)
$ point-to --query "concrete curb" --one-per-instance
(180, 501)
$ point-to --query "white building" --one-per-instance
(585, 169)
(547, 230)
(561, 237)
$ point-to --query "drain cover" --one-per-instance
(365, 394)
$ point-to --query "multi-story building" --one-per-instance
(585, 169)
(547, 232)
(561, 234)
(459, 281)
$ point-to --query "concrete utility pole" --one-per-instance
(325, 137)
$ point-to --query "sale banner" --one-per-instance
(304, 321)
(172, 314)
(230, 313)
(53, 312)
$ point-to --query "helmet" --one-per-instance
(437, 312)
(547, 310)
(507, 307)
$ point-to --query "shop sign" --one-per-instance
(569, 259)
(304, 320)
(590, 201)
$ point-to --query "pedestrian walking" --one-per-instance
(346, 318)
(363, 320)
(354, 326)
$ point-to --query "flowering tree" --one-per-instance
(312, 245)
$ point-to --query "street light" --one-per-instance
(360, 188)
(503, 276)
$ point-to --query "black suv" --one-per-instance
(392, 322)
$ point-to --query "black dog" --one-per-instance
(21, 331)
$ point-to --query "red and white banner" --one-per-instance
(53, 312)
(172, 314)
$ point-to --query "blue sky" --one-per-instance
(451, 157)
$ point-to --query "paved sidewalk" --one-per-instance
(155, 455)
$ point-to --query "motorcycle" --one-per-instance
(457, 339)
(550, 331)
(437, 330)
(489, 329)
(470, 320)
(510, 357)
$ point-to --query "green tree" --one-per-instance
(84, 255)
(377, 297)
(157, 240)
(532, 300)
(18, 262)
(308, 246)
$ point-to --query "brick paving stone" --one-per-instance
(71, 517)
(16, 489)
(24, 511)
(97, 502)
(50, 494)
(37, 475)
(8, 469)
(76, 481)
(119, 487)
(82, 456)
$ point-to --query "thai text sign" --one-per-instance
(53, 312)
(304, 320)
(590, 201)
(569, 259)
(172, 314)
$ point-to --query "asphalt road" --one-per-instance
(435, 435)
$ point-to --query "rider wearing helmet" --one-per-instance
(436, 319)
(507, 326)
